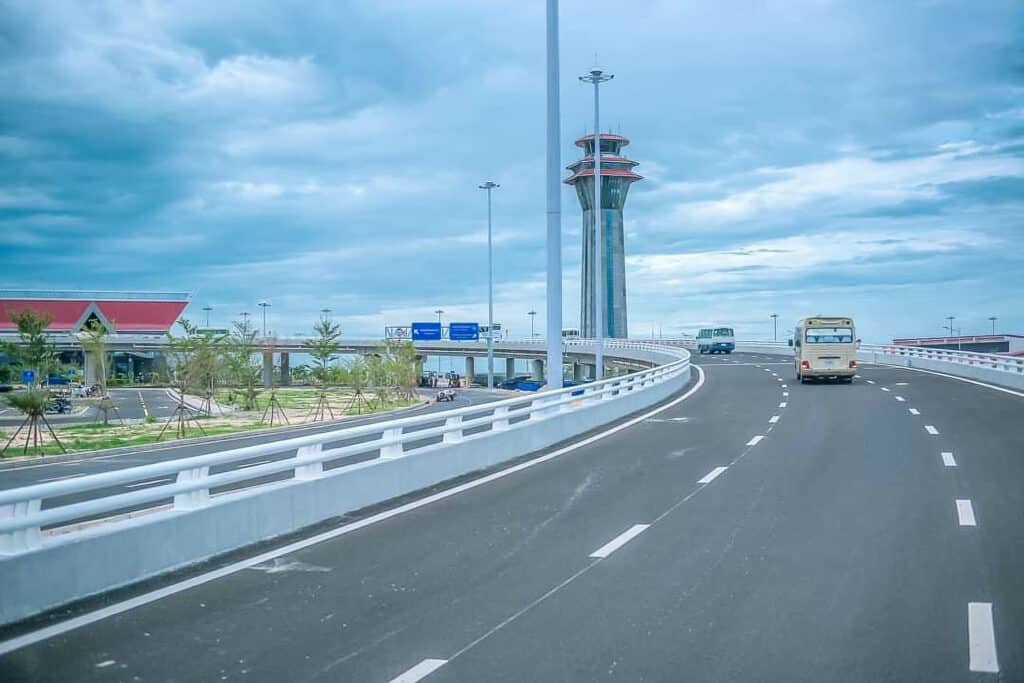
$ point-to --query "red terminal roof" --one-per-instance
(68, 315)
(582, 142)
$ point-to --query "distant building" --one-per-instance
(1011, 344)
(121, 313)
(616, 176)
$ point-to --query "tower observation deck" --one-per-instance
(616, 176)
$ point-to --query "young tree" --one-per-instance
(401, 359)
(93, 338)
(240, 361)
(33, 350)
(33, 404)
(324, 349)
(192, 364)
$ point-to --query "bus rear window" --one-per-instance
(723, 332)
(830, 335)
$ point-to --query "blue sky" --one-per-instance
(864, 158)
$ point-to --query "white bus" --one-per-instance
(825, 348)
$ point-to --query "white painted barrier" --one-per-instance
(989, 367)
(48, 558)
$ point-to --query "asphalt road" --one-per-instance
(832, 548)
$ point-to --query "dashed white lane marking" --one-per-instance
(767, 370)
(785, 393)
(931, 430)
(785, 386)
(773, 419)
(783, 404)
(66, 476)
(965, 512)
(871, 381)
(778, 379)
(712, 475)
(899, 398)
(886, 389)
(981, 637)
(147, 483)
(947, 459)
(914, 411)
(420, 671)
(755, 440)
(619, 541)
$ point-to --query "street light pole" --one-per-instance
(950, 318)
(207, 308)
(993, 320)
(775, 326)
(439, 312)
(490, 288)
(264, 305)
(554, 205)
(597, 77)
(324, 312)
(533, 316)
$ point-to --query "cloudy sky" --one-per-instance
(861, 157)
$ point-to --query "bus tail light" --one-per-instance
(805, 364)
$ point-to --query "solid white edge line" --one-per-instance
(755, 440)
(965, 512)
(420, 671)
(947, 459)
(981, 637)
(147, 483)
(146, 598)
(931, 430)
(712, 475)
(66, 476)
(619, 541)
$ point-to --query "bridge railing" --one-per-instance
(64, 540)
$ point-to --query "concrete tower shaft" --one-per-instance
(616, 176)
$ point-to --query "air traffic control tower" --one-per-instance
(616, 177)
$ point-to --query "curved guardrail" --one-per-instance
(57, 538)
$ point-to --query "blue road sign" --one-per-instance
(464, 331)
(28, 376)
(426, 331)
(71, 372)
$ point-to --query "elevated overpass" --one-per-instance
(732, 525)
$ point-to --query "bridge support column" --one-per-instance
(92, 367)
(510, 368)
(286, 371)
(577, 372)
(591, 370)
(268, 369)
(470, 370)
(537, 370)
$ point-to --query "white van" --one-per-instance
(716, 340)
(825, 348)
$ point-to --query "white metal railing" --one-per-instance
(23, 517)
(990, 361)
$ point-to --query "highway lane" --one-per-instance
(31, 472)
(829, 549)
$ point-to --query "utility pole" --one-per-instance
(439, 313)
(554, 205)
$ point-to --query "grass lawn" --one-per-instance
(96, 436)
(302, 400)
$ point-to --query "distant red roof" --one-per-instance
(68, 315)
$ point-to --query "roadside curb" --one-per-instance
(19, 460)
